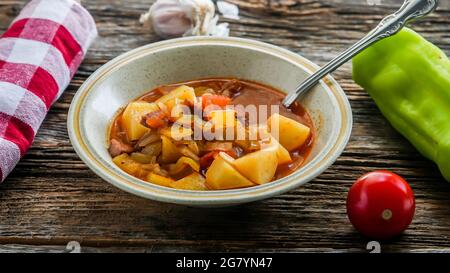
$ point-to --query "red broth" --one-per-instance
(241, 92)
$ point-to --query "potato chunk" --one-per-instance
(222, 124)
(223, 118)
(221, 175)
(291, 134)
(193, 182)
(170, 152)
(284, 156)
(259, 166)
(132, 117)
(179, 94)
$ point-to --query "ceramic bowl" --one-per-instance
(136, 72)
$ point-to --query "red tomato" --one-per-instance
(217, 100)
(207, 159)
(380, 205)
(156, 119)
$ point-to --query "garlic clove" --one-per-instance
(176, 18)
(168, 18)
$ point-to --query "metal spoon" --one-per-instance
(410, 10)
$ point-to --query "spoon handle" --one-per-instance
(410, 10)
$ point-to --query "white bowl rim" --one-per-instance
(204, 198)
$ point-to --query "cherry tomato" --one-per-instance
(380, 205)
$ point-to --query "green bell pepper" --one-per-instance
(409, 80)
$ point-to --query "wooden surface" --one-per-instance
(52, 198)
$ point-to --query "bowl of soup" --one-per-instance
(198, 121)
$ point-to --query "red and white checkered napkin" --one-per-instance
(39, 54)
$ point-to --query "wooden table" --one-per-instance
(52, 198)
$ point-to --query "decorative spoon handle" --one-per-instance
(410, 10)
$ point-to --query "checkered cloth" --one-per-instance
(39, 54)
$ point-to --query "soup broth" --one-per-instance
(145, 142)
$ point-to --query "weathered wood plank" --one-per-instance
(14, 248)
(52, 197)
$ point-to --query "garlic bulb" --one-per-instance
(175, 18)
(228, 10)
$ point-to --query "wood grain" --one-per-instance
(52, 198)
